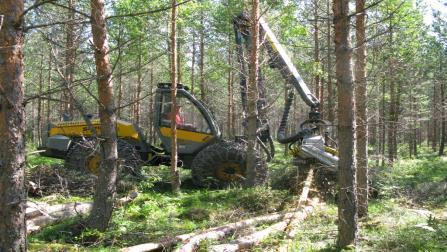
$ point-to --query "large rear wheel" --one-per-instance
(84, 155)
(223, 164)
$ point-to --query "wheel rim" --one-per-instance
(230, 172)
(92, 163)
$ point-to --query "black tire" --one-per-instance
(223, 164)
(82, 153)
(130, 158)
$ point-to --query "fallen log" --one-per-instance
(290, 228)
(248, 241)
(192, 240)
(165, 245)
(34, 209)
(57, 213)
(40, 215)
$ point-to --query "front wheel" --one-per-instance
(223, 164)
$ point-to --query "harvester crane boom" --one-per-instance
(281, 60)
(310, 143)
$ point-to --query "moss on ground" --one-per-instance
(410, 213)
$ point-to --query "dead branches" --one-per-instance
(40, 215)
(45, 215)
(248, 241)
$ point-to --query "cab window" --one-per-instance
(187, 115)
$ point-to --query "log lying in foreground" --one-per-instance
(290, 229)
(39, 215)
(191, 241)
(57, 213)
(248, 241)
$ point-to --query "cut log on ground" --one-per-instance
(62, 212)
(191, 241)
(290, 228)
(248, 241)
(39, 215)
(165, 245)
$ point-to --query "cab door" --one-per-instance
(196, 127)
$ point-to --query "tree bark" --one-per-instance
(230, 78)
(120, 72)
(106, 186)
(347, 201)
(193, 62)
(382, 124)
(330, 88)
(443, 121)
(175, 173)
(252, 112)
(39, 104)
(50, 69)
(12, 129)
(361, 111)
(434, 143)
(317, 77)
(202, 59)
(70, 55)
(137, 108)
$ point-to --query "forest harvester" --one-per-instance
(213, 160)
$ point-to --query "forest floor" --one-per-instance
(408, 212)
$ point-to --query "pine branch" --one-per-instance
(148, 12)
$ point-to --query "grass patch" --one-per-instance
(154, 215)
(422, 181)
(409, 215)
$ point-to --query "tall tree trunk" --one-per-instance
(12, 128)
(202, 59)
(120, 71)
(50, 69)
(106, 186)
(175, 173)
(252, 112)
(361, 111)
(318, 85)
(70, 55)
(193, 62)
(382, 124)
(137, 108)
(179, 55)
(392, 114)
(347, 202)
(39, 104)
(151, 105)
(443, 120)
(330, 88)
(230, 114)
(435, 134)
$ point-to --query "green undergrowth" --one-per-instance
(421, 181)
(409, 214)
(154, 216)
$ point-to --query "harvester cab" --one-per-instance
(196, 125)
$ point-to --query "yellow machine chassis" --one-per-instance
(124, 129)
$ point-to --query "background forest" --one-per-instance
(406, 57)
(406, 60)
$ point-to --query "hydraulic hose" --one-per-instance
(281, 135)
